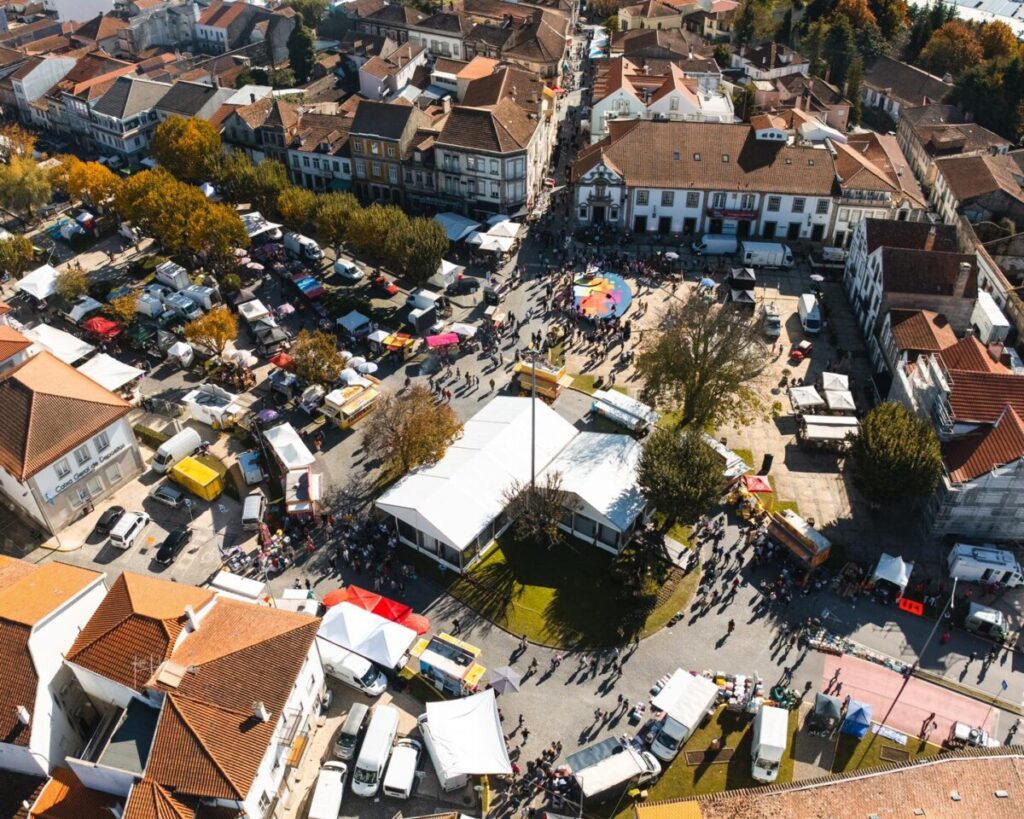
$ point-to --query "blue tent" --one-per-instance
(858, 719)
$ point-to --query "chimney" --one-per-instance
(193, 621)
(771, 57)
(929, 242)
(252, 98)
(24, 717)
(961, 279)
(446, 105)
(259, 710)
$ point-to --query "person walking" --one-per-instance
(456, 626)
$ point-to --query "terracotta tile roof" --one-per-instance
(445, 65)
(16, 790)
(914, 235)
(222, 15)
(771, 55)
(923, 331)
(5, 308)
(398, 59)
(148, 800)
(857, 172)
(20, 682)
(255, 114)
(11, 342)
(543, 40)
(65, 797)
(100, 27)
(93, 75)
(29, 595)
(923, 788)
(928, 272)
(140, 618)
(49, 409)
(479, 66)
(501, 128)
(709, 155)
(522, 87)
(969, 177)
(979, 397)
(979, 453)
(970, 355)
(905, 83)
(760, 122)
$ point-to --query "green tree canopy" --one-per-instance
(311, 12)
(896, 456)
(332, 214)
(17, 255)
(24, 186)
(537, 510)
(301, 53)
(680, 475)
(410, 429)
(317, 360)
(426, 244)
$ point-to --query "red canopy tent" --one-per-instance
(384, 607)
(282, 361)
(443, 340)
(335, 597)
(102, 328)
(757, 483)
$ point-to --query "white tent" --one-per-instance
(353, 322)
(41, 282)
(84, 307)
(506, 229)
(253, 310)
(371, 636)
(467, 735)
(835, 381)
(378, 336)
(66, 347)
(805, 398)
(829, 427)
(108, 372)
(894, 569)
(455, 225)
(491, 242)
(623, 409)
(289, 448)
(840, 400)
(686, 698)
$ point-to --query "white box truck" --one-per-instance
(771, 736)
(173, 275)
(984, 564)
(715, 244)
(810, 314)
(765, 254)
(303, 247)
(328, 793)
(608, 768)
(686, 700)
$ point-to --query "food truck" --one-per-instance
(344, 406)
(806, 543)
(449, 664)
(549, 379)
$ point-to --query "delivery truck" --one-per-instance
(609, 768)
(303, 247)
(984, 564)
(715, 244)
(771, 736)
(765, 254)
(685, 700)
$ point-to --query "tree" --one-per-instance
(92, 183)
(891, 16)
(857, 12)
(703, 363)
(164, 208)
(301, 53)
(854, 82)
(213, 231)
(754, 21)
(680, 475)
(17, 256)
(997, 40)
(260, 185)
(723, 55)
(16, 140)
(612, 24)
(310, 12)
(367, 228)
(317, 360)
(332, 214)
(925, 20)
(536, 511)
(603, 8)
(296, 205)
(123, 309)
(189, 149)
(72, 283)
(214, 331)
(427, 243)
(813, 46)
(411, 429)
(951, 49)
(24, 185)
(840, 49)
(896, 456)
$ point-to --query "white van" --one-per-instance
(810, 314)
(128, 529)
(771, 736)
(401, 775)
(347, 270)
(351, 669)
(175, 448)
(348, 737)
(373, 756)
(253, 509)
(330, 788)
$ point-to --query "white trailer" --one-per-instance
(984, 564)
(765, 254)
(771, 736)
(616, 767)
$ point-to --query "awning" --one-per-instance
(894, 569)
(41, 283)
(369, 635)
(829, 427)
(443, 340)
(110, 373)
(341, 184)
(102, 328)
(253, 310)
(456, 226)
(467, 736)
(464, 330)
(353, 322)
(378, 336)
(757, 483)
(66, 347)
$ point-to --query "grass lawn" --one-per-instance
(747, 456)
(853, 754)
(572, 596)
(585, 383)
(736, 731)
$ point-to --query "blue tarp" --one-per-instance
(858, 719)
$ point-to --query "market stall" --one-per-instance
(213, 405)
(456, 226)
(549, 379)
(303, 490)
(371, 636)
(448, 664)
(827, 431)
(41, 283)
(805, 399)
(355, 324)
(442, 340)
(467, 737)
(344, 406)
(840, 401)
(112, 374)
(253, 310)
(858, 719)
(66, 347)
(891, 576)
(102, 329)
(733, 466)
(623, 410)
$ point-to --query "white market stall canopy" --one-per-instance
(490, 242)
(835, 381)
(353, 322)
(289, 448)
(624, 410)
(66, 347)
(253, 310)
(41, 283)
(505, 228)
(805, 398)
(213, 405)
(734, 466)
(455, 225)
(378, 336)
(369, 635)
(110, 373)
(85, 306)
(893, 569)
(829, 427)
(467, 735)
(686, 698)
(840, 401)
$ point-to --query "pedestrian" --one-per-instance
(456, 626)
(522, 719)
(492, 385)
(526, 735)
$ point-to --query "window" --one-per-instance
(62, 467)
(583, 212)
(696, 157)
(113, 474)
(375, 149)
(305, 162)
(472, 187)
(495, 190)
(311, 683)
(470, 163)
(642, 197)
(725, 157)
(718, 200)
(822, 207)
(357, 146)
(494, 166)
(391, 151)
(692, 199)
(361, 168)
(408, 176)
(667, 198)
(295, 161)
(673, 104)
(798, 204)
(675, 156)
(102, 441)
(393, 174)
(264, 803)
(375, 168)
(83, 455)
(747, 202)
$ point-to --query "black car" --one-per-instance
(463, 285)
(107, 520)
(172, 545)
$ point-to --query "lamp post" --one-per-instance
(532, 354)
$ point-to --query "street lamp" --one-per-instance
(532, 354)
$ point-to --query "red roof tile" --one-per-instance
(979, 398)
(970, 354)
(979, 453)
(921, 330)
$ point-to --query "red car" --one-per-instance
(383, 283)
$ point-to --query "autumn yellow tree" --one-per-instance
(411, 429)
(296, 205)
(214, 231)
(92, 182)
(123, 308)
(16, 140)
(333, 212)
(857, 12)
(317, 360)
(24, 186)
(17, 255)
(951, 48)
(161, 207)
(214, 331)
(997, 40)
(189, 149)
(72, 283)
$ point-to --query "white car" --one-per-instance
(127, 530)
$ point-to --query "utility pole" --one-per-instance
(532, 353)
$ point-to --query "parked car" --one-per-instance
(173, 544)
(467, 284)
(168, 495)
(108, 519)
(127, 529)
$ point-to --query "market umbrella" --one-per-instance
(367, 369)
(417, 622)
(347, 355)
(240, 252)
(267, 415)
(356, 361)
(671, 255)
(282, 360)
(348, 377)
(255, 266)
(817, 277)
(334, 597)
(757, 483)
(285, 309)
(505, 679)
(243, 358)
